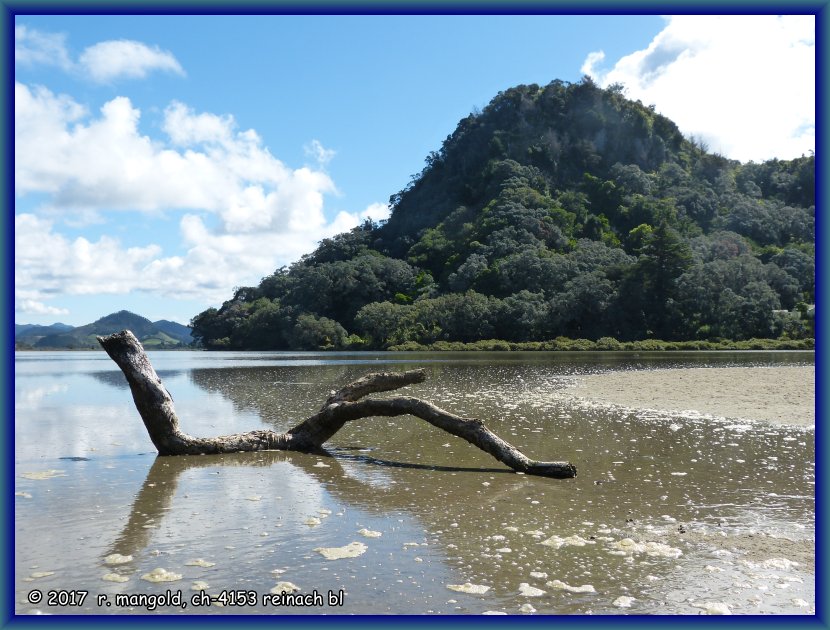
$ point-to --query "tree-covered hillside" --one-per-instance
(158, 335)
(563, 210)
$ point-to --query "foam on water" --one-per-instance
(117, 558)
(560, 585)
(574, 541)
(467, 587)
(43, 475)
(651, 548)
(530, 591)
(284, 587)
(198, 562)
(161, 575)
(352, 550)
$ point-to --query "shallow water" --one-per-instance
(670, 514)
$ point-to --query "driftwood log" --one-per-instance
(155, 405)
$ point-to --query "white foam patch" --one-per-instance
(573, 541)
(784, 564)
(198, 562)
(321, 465)
(255, 497)
(41, 574)
(161, 575)
(352, 550)
(714, 608)
(25, 495)
(199, 585)
(467, 587)
(623, 601)
(558, 584)
(494, 612)
(284, 587)
(43, 474)
(368, 533)
(527, 608)
(312, 521)
(115, 577)
(651, 548)
(530, 591)
(117, 558)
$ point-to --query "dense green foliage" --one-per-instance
(564, 210)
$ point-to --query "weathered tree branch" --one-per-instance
(155, 405)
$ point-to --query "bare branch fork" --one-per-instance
(155, 405)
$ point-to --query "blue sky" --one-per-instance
(161, 161)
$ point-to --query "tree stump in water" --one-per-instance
(155, 405)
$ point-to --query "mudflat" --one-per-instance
(784, 395)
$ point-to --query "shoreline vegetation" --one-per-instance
(560, 344)
(608, 344)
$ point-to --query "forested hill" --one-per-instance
(563, 210)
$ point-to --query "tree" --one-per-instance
(317, 333)
(664, 257)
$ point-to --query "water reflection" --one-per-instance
(735, 500)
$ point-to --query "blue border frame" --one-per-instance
(10, 8)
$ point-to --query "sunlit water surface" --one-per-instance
(669, 514)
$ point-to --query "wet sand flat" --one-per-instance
(783, 395)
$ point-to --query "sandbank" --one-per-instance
(784, 395)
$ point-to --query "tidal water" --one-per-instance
(669, 514)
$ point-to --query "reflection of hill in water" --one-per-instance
(634, 469)
(116, 378)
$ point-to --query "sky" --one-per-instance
(161, 161)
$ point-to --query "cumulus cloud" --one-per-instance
(377, 212)
(110, 60)
(264, 214)
(34, 307)
(319, 153)
(35, 47)
(102, 62)
(744, 84)
(106, 163)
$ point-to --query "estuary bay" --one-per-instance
(675, 509)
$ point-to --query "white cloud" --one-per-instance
(102, 62)
(186, 128)
(106, 164)
(34, 307)
(377, 212)
(268, 214)
(744, 84)
(48, 264)
(319, 153)
(116, 59)
(35, 47)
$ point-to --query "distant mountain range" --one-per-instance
(162, 334)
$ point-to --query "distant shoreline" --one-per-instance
(780, 395)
